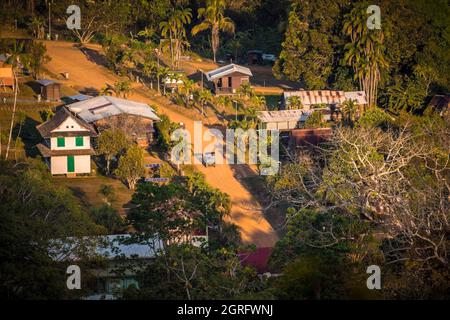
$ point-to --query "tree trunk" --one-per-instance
(16, 87)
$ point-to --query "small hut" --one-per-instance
(50, 90)
(6, 77)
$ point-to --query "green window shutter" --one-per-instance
(79, 141)
(70, 164)
(61, 142)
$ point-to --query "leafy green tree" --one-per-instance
(38, 58)
(315, 120)
(310, 43)
(111, 143)
(109, 218)
(295, 103)
(34, 214)
(165, 128)
(214, 19)
(131, 166)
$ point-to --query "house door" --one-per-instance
(229, 82)
(70, 164)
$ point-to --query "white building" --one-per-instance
(67, 144)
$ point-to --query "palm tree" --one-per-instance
(174, 29)
(295, 103)
(365, 52)
(349, 110)
(122, 88)
(215, 20)
(186, 90)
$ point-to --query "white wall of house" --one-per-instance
(83, 164)
(69, 125)
(58, 165)
(70, 143)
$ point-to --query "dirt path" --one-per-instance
(246, 212)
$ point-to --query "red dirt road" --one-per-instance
(246, 212)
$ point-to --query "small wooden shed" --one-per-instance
(50, 90)
(227, 79)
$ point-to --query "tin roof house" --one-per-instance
(226, 79)
(104, 112)
(312, 98)
(67, 144)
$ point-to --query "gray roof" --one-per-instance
(315, 97)
(45, 82)
(101, 107)
(226, 70)
(289, 115)
(108, 247)
(46, 128)
(80, 97)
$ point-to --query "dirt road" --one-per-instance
(246, 213)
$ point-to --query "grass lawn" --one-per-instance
(86, 189)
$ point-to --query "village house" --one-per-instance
(290, 123)
(119, 260)
(226, 79)
(67, 144)
(330, 98)
(287, 120)
(134, 118)
(49, 89)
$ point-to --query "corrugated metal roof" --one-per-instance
(102, 107)
(290, 115)
(46, 128)
(315, 97)
(226, 70)
(80, 97)
(45, 82)
(108, 247)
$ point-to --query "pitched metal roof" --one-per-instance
(45, 82)
(314, 97)
(290, 115)
(80, 97)
(226, 70)
(101, 107)
(108, 247)
(46, 128)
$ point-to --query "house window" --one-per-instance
(61, 142)
(79, 141)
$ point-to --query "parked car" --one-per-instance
(209, 159)
(269, 57)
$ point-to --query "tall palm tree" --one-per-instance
(214, 19)
(365, 52)
(174, 29)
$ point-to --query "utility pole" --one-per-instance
(49, 20)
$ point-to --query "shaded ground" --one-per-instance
(87, 190)
(85, 74)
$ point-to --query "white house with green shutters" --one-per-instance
(67, 143)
